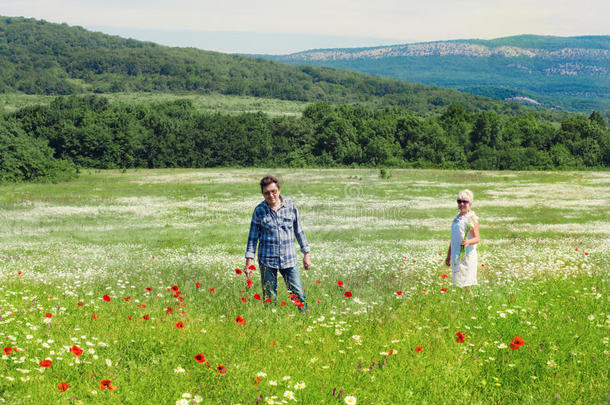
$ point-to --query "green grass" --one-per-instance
(203, 102)
(543, 276)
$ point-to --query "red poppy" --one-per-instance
(267, 299)
(8, 350)
(77, 351)
(80, 303)
(424, 291)
(212, 290)
(148, 288)
(340, 283)
(318, 282)
(249, 283)
(252, 267)
(105, 384)
(240, 321)
(130, 317)
(168, 310)
(348, 294)
(62, 386)
(391, 351)
(197, 285)
(443, 276)
(45, 363)
(19, 272)
(179, 325)
(319, 301)
(257, 297)
(146, 317)
(48, 315)
(200, 358)
(237, 271)
(516, 343)
(283, 303)
(175, 288)
(243, 299)
(299, 304)
(94, 316)
(106, 298)
(221, 369)
(141, 306)
(127, 298)
(292, 296)
(419, 349)
(460, 337)
(398, 292)
(443, 290)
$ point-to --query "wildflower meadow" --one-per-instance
(128, 287)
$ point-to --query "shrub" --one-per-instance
(25, 158)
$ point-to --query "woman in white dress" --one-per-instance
(462, 254)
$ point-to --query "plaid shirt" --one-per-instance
(274, 231)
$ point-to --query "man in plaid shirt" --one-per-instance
(275, 223)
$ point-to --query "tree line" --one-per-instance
(52, 141)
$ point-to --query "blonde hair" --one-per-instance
(466, 195)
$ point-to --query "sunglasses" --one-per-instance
(270, 192)
(463, 201)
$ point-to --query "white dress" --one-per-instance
(464, 272)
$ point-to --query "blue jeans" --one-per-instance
(292, 278)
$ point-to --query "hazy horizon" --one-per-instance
(262, 43)
(280, 27)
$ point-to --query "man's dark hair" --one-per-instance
(268, 180)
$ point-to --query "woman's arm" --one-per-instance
(475, 237)
(448, 258)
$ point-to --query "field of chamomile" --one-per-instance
(128, 287)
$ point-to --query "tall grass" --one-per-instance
(133, 236)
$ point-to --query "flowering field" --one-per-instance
(125, 288)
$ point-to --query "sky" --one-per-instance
(287, 26)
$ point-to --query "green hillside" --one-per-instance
(566, 73)
(37, 57)
(156, 106)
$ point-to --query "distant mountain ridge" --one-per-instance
(451, 48)
(570, 72)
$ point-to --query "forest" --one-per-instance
(352, 119)
(38, 57)
(52, 142)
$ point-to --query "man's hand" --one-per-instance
(448, 261)
(246, 268)
(306, 261)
